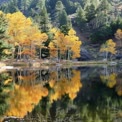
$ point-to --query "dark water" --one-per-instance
(69, 94)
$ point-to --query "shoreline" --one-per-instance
(39, 63)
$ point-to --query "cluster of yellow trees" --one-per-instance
(25, 35)
(26, 38)
(66, 45)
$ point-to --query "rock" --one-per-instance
(118, 57)
(85, 55)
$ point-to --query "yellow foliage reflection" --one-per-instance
(24, 98)
(113, 81)
(110, 80)
(65, 86)
(119, 86)
(25, 95)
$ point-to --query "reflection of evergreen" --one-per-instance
(4, 96)
(60, 111)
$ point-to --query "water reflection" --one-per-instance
(88, 94)
(112, 79)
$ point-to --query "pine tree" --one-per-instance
(95, 3)
(44, 23)
(85, 3)
(51, 4)
(62, 20)
(80, 16)
(104, 6)
(42, 17)
(90, 12)
(58, 11)
(3, 36)
(11, 6)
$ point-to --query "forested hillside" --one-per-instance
(94, 20)
(102, 16)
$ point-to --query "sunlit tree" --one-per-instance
(108, 47)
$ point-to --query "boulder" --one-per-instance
(118, 57)
(85, 55)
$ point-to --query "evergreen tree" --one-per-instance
(42, 17)
(80, 16)
(59, 7)
(45, 23)
(69, 6)
(3, 36)
(51, 4)
(95, 3)
(61, 18)
(104, 6)
(66, 24)
(85, 3)
(24, 5)
(10, 6)
(90, 12)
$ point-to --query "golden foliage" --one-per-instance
(109, 46)
(8, 81)
(65, 42)
(7, 51)
(24, 32)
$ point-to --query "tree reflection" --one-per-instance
(32, 86)
(57, 94)
(5, 87)
(113, 80)
(65, 86)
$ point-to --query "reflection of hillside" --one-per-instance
(98, 103)
(59, 94)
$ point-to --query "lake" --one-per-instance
(61, 94)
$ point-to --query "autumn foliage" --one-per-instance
(108, 47)
(26, 38)
(24, 33)
(63, 46)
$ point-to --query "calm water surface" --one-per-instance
(55, 94)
